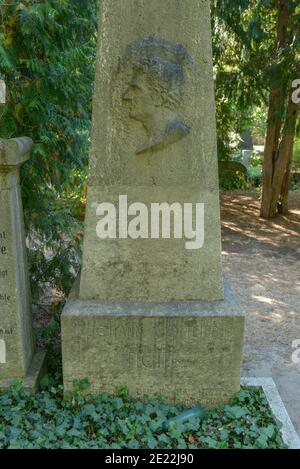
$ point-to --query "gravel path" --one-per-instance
(262, 264)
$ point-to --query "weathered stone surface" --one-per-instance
(148, 313)
(153, 139)
(151, 269)
(17, 347)
(188, 350)
(34, 373)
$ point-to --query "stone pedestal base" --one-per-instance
(34, 374)
(189, 351)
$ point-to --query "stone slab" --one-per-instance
(18, 357)
(78, 307)
(16, 332)
(190, 351)
(289, 434)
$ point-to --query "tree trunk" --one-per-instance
(288, 147)
(283, 205)
(283, 162)
(275, 156)
(271, 148)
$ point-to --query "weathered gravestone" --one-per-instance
(246, 142)
(18, 358)
(149, 310)
(247, 148)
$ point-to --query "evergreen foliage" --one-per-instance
(246, 62)
(47, 57)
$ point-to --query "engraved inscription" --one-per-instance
(3, 247)
(3, 250)
(5, 297)
(6, 331)
(111, 330)
(150, 357)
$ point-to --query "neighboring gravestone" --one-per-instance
(18, 359)
(246, 141)
(150, 313)
(246, 147)
(246, 157)
(2, 92)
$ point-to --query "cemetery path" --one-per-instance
(261, 261)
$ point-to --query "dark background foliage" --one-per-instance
(47, 56)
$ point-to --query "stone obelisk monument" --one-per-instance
(18, 357)
(150, 311)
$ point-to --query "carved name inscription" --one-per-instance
(150, 357)
(6, 331)
(163, 345)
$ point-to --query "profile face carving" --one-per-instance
(156, 90)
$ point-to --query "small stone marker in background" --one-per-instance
(247, 148)
(18, 358)
(2, 92)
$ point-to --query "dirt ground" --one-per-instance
(261, 261)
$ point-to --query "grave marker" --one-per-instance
(17, 348)
(148, 313)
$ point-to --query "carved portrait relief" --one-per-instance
(156, 90)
